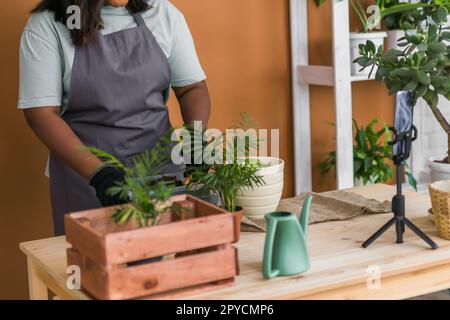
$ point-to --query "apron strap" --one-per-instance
(139, 19)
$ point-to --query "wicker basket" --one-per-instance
(440, 200)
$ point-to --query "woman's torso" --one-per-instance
(163, 19)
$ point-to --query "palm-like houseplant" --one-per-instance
(148, 200)
(235, 170)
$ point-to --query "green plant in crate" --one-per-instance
(371, 155)
(149, 199)
(423, 67)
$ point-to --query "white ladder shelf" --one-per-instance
(337, 76)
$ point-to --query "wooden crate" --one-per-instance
(107, 253)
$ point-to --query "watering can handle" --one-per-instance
(304, 216)
(268, 250)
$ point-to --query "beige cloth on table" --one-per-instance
(327, 206)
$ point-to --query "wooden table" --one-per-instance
(340, 268)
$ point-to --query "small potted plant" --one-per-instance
(357, 38)
(422, 68)
(401, 15)
(361, 37)
(371, 156)
(265, 198)
(226, 177)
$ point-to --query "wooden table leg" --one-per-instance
(37, 288)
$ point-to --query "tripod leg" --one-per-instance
(420, 233)
(377, 234)
(400, 229)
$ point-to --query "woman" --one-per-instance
(104, 85)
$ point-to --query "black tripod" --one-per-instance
(404, 134)
(399, 219)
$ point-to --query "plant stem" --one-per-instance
(443, 122)
(440, 118)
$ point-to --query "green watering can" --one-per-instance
(285, 250)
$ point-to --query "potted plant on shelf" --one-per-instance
(422, 68)
(403, 15)
(371, 153)
(364, 35)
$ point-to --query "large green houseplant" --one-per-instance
(422, 67)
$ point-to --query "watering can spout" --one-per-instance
(304, 216)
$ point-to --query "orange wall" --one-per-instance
(244, 48)
(23, 189)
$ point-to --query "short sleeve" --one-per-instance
(41, 81)
(183, 59)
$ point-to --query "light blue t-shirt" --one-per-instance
(47, 51)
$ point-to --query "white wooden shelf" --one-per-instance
(316, 75)
(362, 78)
(337, 76)
(323, 75)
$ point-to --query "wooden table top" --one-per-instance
(340, 268)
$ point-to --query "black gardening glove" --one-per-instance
(192, 167)
(102, 180)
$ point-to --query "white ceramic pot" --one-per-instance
(266, 191)
(438, 171)
(357, 38)
(259, 201)
(393, 36)
(258, 213)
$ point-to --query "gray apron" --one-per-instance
(117, 103)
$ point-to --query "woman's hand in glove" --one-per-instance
(105, 178)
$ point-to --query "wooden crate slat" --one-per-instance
(173, 274)
(94, 280)
(199, 289)
(103, 251)
(85, 239)
(171, 238)
(203, 208)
